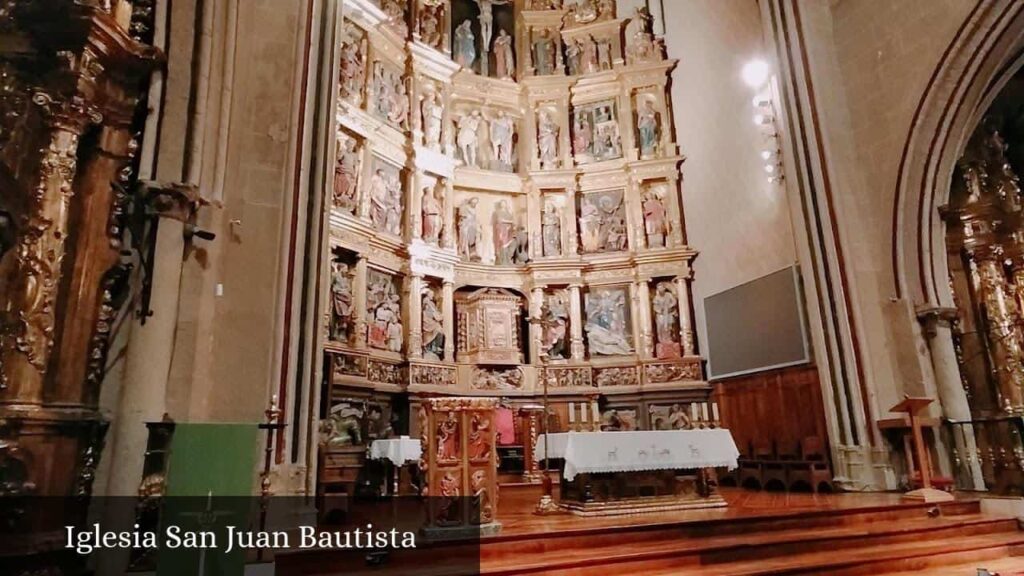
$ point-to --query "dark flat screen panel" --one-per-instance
(756, 326)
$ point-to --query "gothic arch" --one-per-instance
(986, 51)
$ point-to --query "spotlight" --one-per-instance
(762, 101)
(766, 154)
(755, 73)
(769, 168)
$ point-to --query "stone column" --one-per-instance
(449, 234)
(576, 323)
(536, 327)
(642, 311)
(359, 286)
(414, 205)
(448, 310)
(685, 320)
(937, 327)
(570, 226)
(1005, 338)
(414, 315)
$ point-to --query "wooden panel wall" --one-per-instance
(781, 406)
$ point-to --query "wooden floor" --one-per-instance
(759, 533)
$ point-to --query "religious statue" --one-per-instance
(605, 9)
(396, 15)
(468, 139)
(386, 202)
(583, 137)
(433, 213)
(544, 5)
(483, 512)
(430, 21)
(555, 320)
(433, 327)
(503, 227)
(343, 427)
(346, 176)
(398, 105)
(648, 125)
(502, 134)
(551, 229)
(479, 443)
(574, 56)
(604, 54)
(385, 313)
(351, 72)
(341, 298)
(643, 46)
(589, 61)
(544, 59)
(547, 140)
(678, 419)
(448, 441)
(504, 60)
(465, 45)
(469, 230)
(666, 310)
(521, 254)
(607, 332)
(582, 12)
(432, 113)
(654, 220)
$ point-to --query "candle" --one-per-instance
(583, 413)
(704, 410)
(572, 412)
(693, 412)
(714, 410)
(597, 415)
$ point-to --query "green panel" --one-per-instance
(209, 487)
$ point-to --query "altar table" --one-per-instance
(649, 470)
(399, 452)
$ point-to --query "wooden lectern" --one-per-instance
(913, 407)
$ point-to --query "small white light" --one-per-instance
(755, 73)
(766, 154)
(762, 119)
(769, 168)
(762, 101)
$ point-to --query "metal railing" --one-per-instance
(988, 454)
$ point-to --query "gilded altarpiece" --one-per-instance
(513, 168)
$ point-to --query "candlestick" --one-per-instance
(583, 413)
(704, 410)
(714, 410)
(597, 414)
(693, 412)
(572, 412)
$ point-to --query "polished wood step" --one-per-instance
(697, 551)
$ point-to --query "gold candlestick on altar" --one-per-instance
(546, 505)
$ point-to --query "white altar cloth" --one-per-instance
(590, 452)
(397, 450)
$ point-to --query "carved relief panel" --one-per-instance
(383, 312)
(347, 167)
(385, 197)
(390, 101)
(608, 321)
(595, 132)
(603, 224)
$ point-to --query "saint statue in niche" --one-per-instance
(589, 59)
(468, 139)
(479, 443)
(432, 115)
(346, 176)
(647, 124)
(555, 317)
(551, 229)
(398, 107)
(396, 15)
(449, 509)
(583, 136)
(385, 313)
(448, 441)
(607, 332)
(386, 201)
(503, 226)
(544, 53)
(430, 25)
(465, 45)
(574, 57)
(654, 218)
(469, 230)
(341, 297)
(433, 213)
(433, 327)
(604, 54)
(605, 9)
(502, 134)
(504, 59)
(351, 72)
(666, 310)
(482, 510)
(547, 140)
